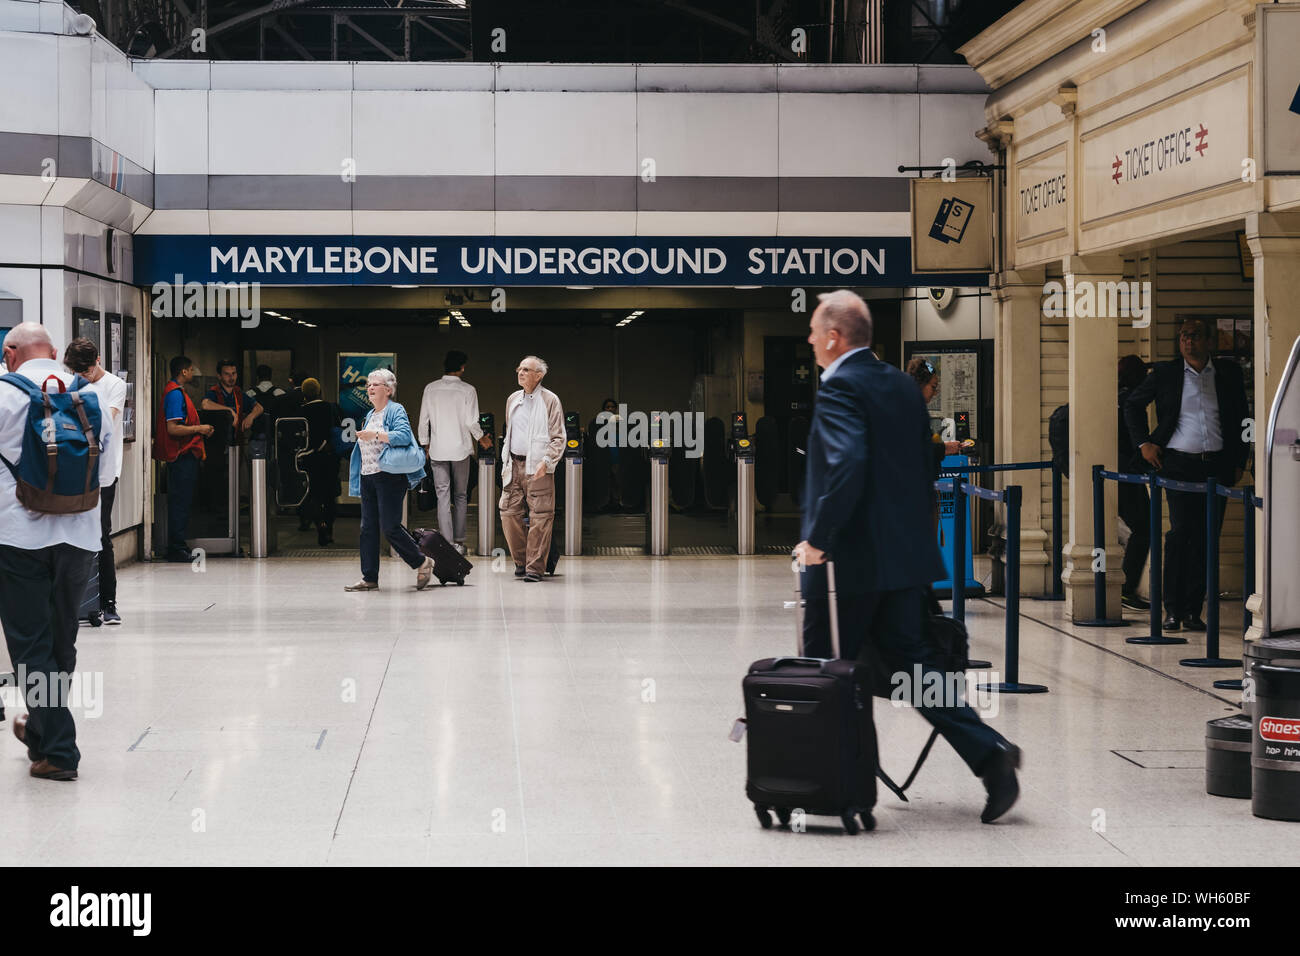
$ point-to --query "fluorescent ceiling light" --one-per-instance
(276, 314)
(580, 288)
(416, 287)
(310, 325)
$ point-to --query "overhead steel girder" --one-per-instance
(284, 6)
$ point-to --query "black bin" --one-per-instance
(1264, 651)
(1275, 743)
(1227, 756)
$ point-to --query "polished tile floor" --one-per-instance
(254, 713)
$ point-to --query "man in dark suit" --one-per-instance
(867, 504)
(1200, 413)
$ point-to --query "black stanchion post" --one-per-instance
(958, 550)
(1099, 544)
(1156, 574)
(1013, 497)
(1211, 658)
(1058, 586)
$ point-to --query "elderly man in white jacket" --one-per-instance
(534, 442)
(448, 429)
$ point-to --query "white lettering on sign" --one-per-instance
(1192, 144)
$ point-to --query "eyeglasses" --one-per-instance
(535, 371)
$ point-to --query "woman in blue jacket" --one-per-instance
(386, 463)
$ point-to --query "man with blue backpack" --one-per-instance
(51, 433)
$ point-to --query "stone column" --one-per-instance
(1274, 240)
(1094, 351)
(1018, 297)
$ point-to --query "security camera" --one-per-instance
(83, 24)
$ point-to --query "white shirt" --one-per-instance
(371, 448)
(449, 419)
(112, 396)
(521, 422)
(30, 530)
(1198, 428)
(830, 369)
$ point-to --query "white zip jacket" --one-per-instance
(546, 434)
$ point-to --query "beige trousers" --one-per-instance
(536, 497)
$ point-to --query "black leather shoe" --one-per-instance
(1193, 623)
(1172, 624)
(1000, 781)
(1134, 603)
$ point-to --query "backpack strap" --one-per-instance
(50, 437)
(22, 382)
(57, 381)
(91, 441)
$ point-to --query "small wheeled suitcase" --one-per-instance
(90, 611)
(811, 740)
(448, 563)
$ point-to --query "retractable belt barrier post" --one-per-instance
(1058, 587)
(1099, 618)
(1012, 497)
(1212, 491)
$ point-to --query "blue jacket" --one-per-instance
(868, 491)
(400, 436)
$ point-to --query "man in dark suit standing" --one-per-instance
(1200, 413)
(867, 504)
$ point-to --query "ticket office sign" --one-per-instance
(1041, 196)
(1192, 144)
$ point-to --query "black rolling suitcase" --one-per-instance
(90, 611)
(811, 740)
(448, 563)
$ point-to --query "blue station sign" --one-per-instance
(533, 261)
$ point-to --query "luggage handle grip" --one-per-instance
(831, 601)
(782, 661)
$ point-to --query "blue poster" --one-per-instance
(354, 367)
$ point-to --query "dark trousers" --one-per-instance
(40, 598)
(182, 478)
(107, 566)
(381, 510)
(1135, 509)
(322, 489)
(1184, 584)
(886, 630)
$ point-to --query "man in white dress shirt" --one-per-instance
(82, 356)
(448, 429)
(45, 563)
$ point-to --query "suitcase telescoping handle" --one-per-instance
(831, 602)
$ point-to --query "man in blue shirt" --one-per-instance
(45, 562)
(178, 441)
(225, 396)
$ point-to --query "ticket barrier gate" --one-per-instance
(657, 516)
(742, 449)
(487, 486)
(207, 504)
(572, 484)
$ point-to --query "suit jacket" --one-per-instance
(1164, 385)
(867, 495)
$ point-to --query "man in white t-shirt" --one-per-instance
(82, 357)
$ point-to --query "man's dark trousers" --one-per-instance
(107, 566)
(1184, 584)
(40, 599)
(1135, 509)
(887, 629)
(182, 478)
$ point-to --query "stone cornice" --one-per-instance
(1035, 31)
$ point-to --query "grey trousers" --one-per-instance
(451, 483)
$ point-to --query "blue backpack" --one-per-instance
(58, 469)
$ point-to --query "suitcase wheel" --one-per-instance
(461, 580)
(764, 818)
(868, 821)
(783, 816)
(850, 823)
